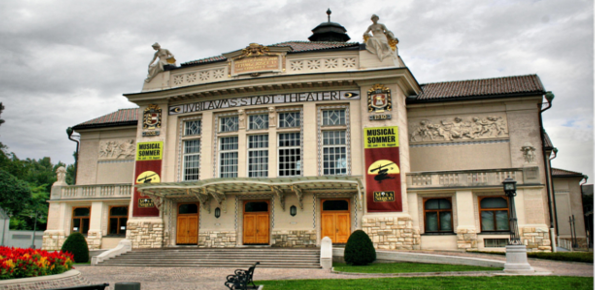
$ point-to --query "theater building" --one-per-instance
(281, 145)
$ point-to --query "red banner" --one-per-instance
(383, 173)
(147, 170)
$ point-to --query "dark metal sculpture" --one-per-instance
(241, 278)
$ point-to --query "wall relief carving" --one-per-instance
(458, 128)
(117, 149)
(528, 153)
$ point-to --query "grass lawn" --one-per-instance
(408, 268)
(586, 257)
(437, 283)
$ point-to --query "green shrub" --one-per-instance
(77, 246)
(359, 249)
(563, 256)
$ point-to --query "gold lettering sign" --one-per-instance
(145, 202)
(256, 64)
(384, 196)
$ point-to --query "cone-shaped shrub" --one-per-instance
(77, 246)
(359, 249)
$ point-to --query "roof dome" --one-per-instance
(329, 31)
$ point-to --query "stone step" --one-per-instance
(220, 265)
(215, 255)
(246, 260)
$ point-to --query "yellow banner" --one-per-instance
(381, 137)
(149, 151)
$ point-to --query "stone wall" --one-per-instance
(390, 233)
(294, 239)
(466, 239)
(536, 239)
(53, 240)
(145, 234)
(217, 239)
(94, 240)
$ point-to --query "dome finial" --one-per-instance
(328, 12)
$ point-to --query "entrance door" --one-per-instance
(336, 220)
(256, 222)
(187, 231)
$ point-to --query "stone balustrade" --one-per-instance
(121, 190)
(471, 178)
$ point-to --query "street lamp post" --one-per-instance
(516, 252)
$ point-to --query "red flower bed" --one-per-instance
(21, 263)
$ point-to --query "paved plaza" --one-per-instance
(186, 278)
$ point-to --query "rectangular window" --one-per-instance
(258, 122)
(495, 243)
(333, 118)
(290, 157)
(228, 124)
(191, 159)
(493, 211)
(438, 215)
(289, 119)
(334, 150)
(80, 219)
(258, 156)
(118, 216)
(228, 157)
(192, 128)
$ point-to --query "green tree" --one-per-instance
(15, 194)
(70, 171)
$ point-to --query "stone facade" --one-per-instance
(466, 239)
(536, 239)
(217, 239)
(294, 239)
(392, 233)
(145, 234)
(94, 240)
(53, 240)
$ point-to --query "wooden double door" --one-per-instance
(336, 220)
(256, 222)
(187, 226)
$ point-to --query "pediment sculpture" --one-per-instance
(164, 57)
(382, 42)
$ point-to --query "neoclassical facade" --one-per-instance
(282, 145)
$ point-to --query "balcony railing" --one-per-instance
(92, 191)
(471, 178)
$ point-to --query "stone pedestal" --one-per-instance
(516, 260)
(326, 253)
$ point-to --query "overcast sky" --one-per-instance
(65, 62)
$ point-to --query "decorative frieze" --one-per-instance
(217, 239)
(322, 64)
(392, 233)
(294, 239)
(145, 234)
(116, 149)
(459, 128)
(198, 77)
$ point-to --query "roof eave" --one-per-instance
(475, 97)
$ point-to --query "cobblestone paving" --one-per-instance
(186, 278)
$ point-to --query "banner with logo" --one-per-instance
(383, 173)
(147, 170)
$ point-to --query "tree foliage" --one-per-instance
(14, 193)
(359, 249)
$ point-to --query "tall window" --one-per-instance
(289, 119)
(494, 214)
(118, 216)
(258, 122)
(438, 215)
(334, 151)
(228, 156)
(192, 128)
(228, 124)
(191, 159)
(333, 117)
(258, 156)
(290, 160)
(80, 219)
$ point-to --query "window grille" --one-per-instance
(258, 122)
(334, 151)
(333, 118)
(228, 124)
(290, 163)
(192, 127)
(228, 153)
(191, 159)
(289, 119)
(258, 156)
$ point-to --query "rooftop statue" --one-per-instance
(381, 42)
(165, 58)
